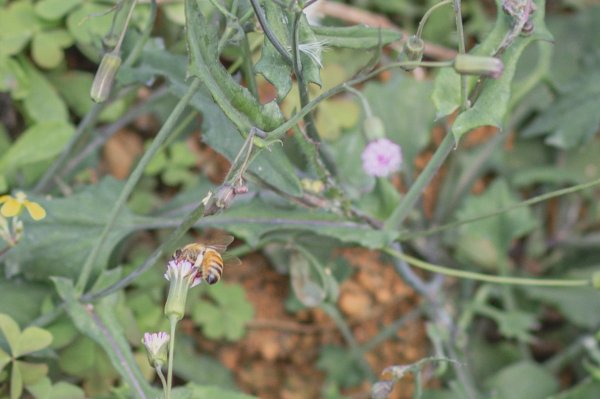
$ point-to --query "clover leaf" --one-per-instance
(226, 315)
(22, 343)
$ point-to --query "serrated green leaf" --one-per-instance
(273, 66)
(515, 382)
(492, 104)
(46, 47)
(11, 331)
(31, 372)
(32, 339)
(55, 9)
(486, 242)
(572, 119)
(59, 244)
(356, 37)
(258, 217)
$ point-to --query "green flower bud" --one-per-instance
(467, 64)
(105, 76)
(373, 128)
(412, 50)
(156, 348)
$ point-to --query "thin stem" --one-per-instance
(173, 323)
(223, 10)
(135, 53)
(531, 201)
(117, 48)
(44, 183)
(248, 68)
(407, 203)
(363, 100)
(262, 20)
(163, 382)
(162, 135)
(464, 99)
(532, 282)
(428, 14)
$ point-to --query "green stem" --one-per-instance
(363, 101)
(117, 48)
(173, 323)
(135, 53)
(464, 99)
(162, 380)
(532, 282)
(407, 203)
(135, 176)
(262, 20)
(88, 120)
(531, 201)
(248, 68)
(428, 14)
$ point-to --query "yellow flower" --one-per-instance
(13, 206)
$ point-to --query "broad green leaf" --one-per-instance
(5, 358)
(55, 9)
(22, 300)
(516, 324)
(492, 104)
(18, 22)
(208, 392)
(40, 142)
(199, 368)
(588, 389)
(100, 324)
(346, 152)
(13, 78)
(31, 372)
(42, 103)
(227, 316)
(11, 331)
(273, 66)
(404, 107)
(572, 119)
(47, 47)
(59, 244)
(523, 380)
(486, 242)
(256, 218)
(44, 389)
(336, 115)
(88, 24)
(580, 306)
(16, 383)
(32, 339)
(356, 37)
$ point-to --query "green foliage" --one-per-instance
(225, 313)
(173, 165)
(18, 344)
(515, 382)
(340, 366)
(44, 389)
(199, 369)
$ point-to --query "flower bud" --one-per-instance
(156, 347)
(182, 276)
(373, 128)
(412, 50)
(467, 64)
(105, 76)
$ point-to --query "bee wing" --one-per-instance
(220, 243)
(234, 261)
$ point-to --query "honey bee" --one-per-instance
(207, 258)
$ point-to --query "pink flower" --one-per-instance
(381, 157)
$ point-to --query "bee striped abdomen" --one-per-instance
(212, 266)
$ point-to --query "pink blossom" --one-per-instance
(381, 157)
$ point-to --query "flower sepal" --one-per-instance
(156, 348)
(182, 276)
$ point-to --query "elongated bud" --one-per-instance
(467, 64)
(412, 50)
(373, 128)
(105, 76)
